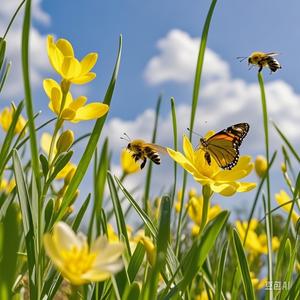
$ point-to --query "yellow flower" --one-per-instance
(45, 145)
(6, 186)
(128, 164)
(63, 61)
(282, 197)
(220, 181)
(150, 249)
(255, 243)
(202, 296)
(195, 212)
(258, 283)
(6, 117)
(73, 110)
(78, 262)
(261, 166)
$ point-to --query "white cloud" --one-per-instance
(38, 56)
(177, 60)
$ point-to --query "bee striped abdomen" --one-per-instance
(153, 155)
(273, 64)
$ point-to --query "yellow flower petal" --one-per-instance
(79, 102)
(88, 62)
(70, 68)
(83, 79)
(65, 47)
(46, 142)
(55, 55)
(225, 189)
(246, 186)
(181, 159)
(91, 111)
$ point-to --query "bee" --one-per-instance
(142, 150)
(262, 60)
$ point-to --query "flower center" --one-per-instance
(78, 261)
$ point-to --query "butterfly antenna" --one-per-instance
(194, 132)
(241, 58)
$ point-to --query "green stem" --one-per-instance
(207, 194)
(196, 90)
(269, 216)
(33, 143)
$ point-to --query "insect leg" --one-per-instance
(143, 163)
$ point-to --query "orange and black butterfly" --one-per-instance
(224, 145)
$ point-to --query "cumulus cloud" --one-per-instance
(38, 57)
(177, 60)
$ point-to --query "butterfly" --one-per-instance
(224, 145)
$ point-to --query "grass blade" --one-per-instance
(118, 211)
(286, 141)
(243, 266)
(28, 97)
(220, 273)
(149, 170)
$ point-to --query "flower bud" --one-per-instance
(65, 141)
(261, 166)
(283, 168)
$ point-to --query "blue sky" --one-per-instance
(166, 30)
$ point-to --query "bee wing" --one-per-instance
(156, 147)
(272, 54)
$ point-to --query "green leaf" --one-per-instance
(28, 98)
(2, 51)
(49, 210)
(9, 137)
(163, 238)
(220, 272)
(61, 162)
(44, 164)
(81, 213)
(280, 254)
(175, 139)
(92, 143)
(4, 73)
(171, 258)
(287, 142)
(243, 266)
(28, 229)
(100, 172)
(9, 245)
(135, 261)
(118, 211)
(132, 292)
(149, 170)
(199, 251)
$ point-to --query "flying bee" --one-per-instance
(142, 150)
(262, 60)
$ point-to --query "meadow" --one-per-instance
(183, 246)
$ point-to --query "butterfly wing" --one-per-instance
(224, 145)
